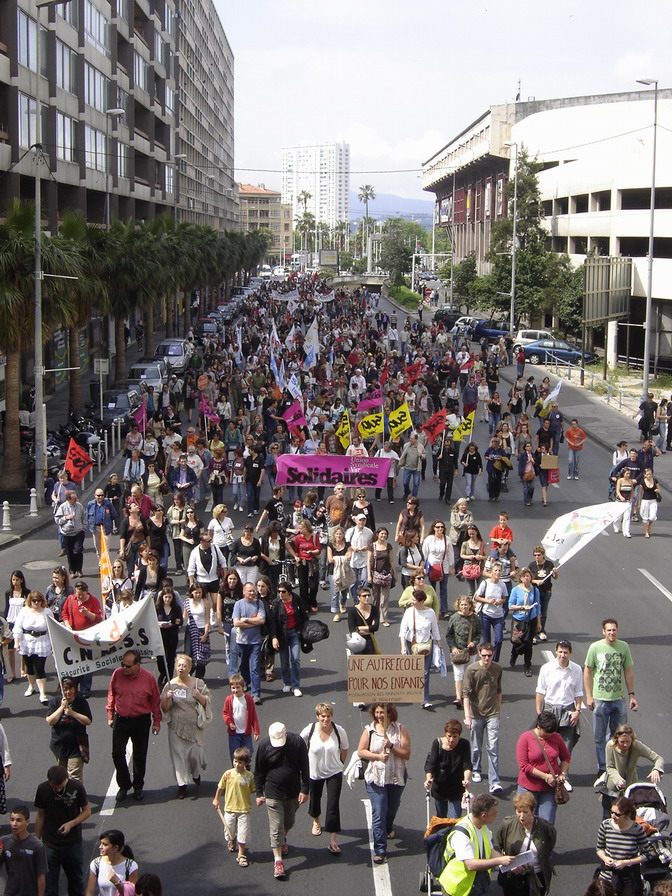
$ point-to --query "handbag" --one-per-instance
(83, 746)
(419, 648)
(519, 632)
(471, 570)
(463, 654)
(529, 476)
(435, 570)
(561, 793)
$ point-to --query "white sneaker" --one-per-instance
(298, 692)
(569, 477)
(29, 692)
(476, 777)
(286, 689)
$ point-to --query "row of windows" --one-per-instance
(96, 28)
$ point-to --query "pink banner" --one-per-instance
(373, 401)
(293, 416)
(330, 469)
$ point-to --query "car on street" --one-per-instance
(524, 337)
(491, 329)
(176, 354)
(465, 324)
(119, 403)
(446, 317)
(544, 350)
(206, 328)
(152, 371)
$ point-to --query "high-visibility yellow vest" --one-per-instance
(455, 879)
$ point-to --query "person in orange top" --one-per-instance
(501, 532)
(575, 438)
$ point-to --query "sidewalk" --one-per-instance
(23, 526)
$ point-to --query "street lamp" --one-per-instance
(109, 113)
(650, 82)
(512, 309)
(40, 422)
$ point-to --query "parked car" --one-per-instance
(524, 337)
(465, 325)
(257, 282)
(491, 329)
(119, 403)
(206, 328)
(448, 318)
(241, 291)
(176, 354)
(152, 371)
(542, 350)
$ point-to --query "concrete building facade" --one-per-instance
(596, 154)
(263, 208)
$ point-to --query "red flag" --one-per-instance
(435, 425)
(413, 372)
(383, 375)
(77, 462)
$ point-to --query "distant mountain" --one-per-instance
(387, 205)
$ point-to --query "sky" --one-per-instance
(398, 79)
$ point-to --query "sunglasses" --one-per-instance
(617, 814)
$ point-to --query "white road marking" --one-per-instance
(654, 581)
(381, 873)
(109, 803)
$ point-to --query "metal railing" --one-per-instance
(597, 383)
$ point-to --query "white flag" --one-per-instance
(290, 341)
(552, 395)
(294, 387)
(572, 531)
(312, 341)
(275, 339)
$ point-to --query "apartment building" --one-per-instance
(321, 170)
(263, 208)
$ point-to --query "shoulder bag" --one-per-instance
(435, 570)
(419, 648)
(561, 793)
(520, 627)
(462, 655)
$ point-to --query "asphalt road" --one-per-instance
(184, 840)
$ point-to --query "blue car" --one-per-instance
(549, 349)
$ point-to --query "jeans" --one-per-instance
(74, 546)
(385, 803)
(290, 659)
(71, 860)
(493, 632)
(470, 484)
(361, 574)
(428, 668)
(489, 727)
(338, 598)
(415, 475)
(528, 490)
(240, 740)
(253, 492)
(232, 644)
(608, 715)
(544, 600)
(493, 422)
(448, 808)
(546, 805)
(250, 666)
(573, 458)
(661, 441)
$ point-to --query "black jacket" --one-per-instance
(281, 773)
(277, 619)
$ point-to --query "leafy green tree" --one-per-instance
(464, 277)
(395, 256)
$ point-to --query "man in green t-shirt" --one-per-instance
(608, 661)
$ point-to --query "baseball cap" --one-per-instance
(360, 516)
(277, 734)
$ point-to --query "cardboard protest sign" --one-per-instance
(386, 679)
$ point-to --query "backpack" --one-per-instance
(437, 844)
(127, 866)
(312, 728)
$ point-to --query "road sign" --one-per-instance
(101, 366)
(203, 381)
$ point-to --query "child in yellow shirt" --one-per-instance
(237, 785)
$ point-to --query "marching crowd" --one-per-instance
(199, 453)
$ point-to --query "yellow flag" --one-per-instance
(105, 570)
(465, 428)
(371, 425)
(343, 429)
(398, 421)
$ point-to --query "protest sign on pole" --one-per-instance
(100, 648)
(386, 679)
(398, 421)
(371, 425)
(465, 428)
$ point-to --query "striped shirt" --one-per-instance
(620, 845)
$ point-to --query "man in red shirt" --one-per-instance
(132, 708)
(81, 611)
(575, 438)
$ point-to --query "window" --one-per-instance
(95, 88)
(170, 179)
(66, 67)
(94, 142)
(27, 29)
(65, 137)
(27, 120)
(140, 72)
(96, 28)
(170, 100)
(69, 12)
(122, 160)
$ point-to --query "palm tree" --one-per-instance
(303, 198)
(340, 231)
(17, 266)
(365, 194)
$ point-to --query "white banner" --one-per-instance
(101, 647)
(571, 532)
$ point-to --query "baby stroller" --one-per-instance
(652, 809)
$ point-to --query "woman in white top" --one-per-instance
(31, 639)
(327, 750)
(221, 529)
(113, 867)
(493, 596)
(419, 626)
(438, 551)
